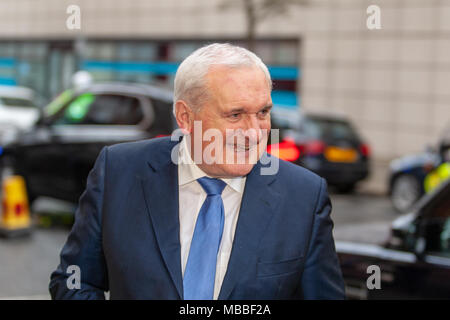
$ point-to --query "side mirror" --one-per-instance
(404, 232)
(419, 248)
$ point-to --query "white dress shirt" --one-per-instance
(191, 198)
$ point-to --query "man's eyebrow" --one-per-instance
(239, 110)
(235, 110)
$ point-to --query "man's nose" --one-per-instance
(253, 129)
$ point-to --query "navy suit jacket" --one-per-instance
(126, 240)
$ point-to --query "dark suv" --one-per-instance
(328, 145)
(414, 263)
(56, 155)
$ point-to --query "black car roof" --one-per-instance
(441, 190)
(326, 116)
(445, 138)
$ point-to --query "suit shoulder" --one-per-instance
(296, 174)
(133, 147)
(138, 150)
(307, 185)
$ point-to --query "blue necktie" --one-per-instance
(200, 271)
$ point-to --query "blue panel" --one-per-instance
(159, 68)
(8, 81)
(7, 62)
(165, 68)
(284, 73)
(285, 98)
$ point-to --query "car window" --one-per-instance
(103, 109)
(16, 102)
(163, 112)
(437, 225)
(325, 128)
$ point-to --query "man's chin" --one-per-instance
(229, 171)
(237, 170)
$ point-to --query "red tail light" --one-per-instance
(287, 150)
(314, 147)
(365, 150)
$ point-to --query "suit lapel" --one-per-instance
(259, 202)
(160, 187)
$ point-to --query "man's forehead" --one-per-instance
(248, 104)
(239, 85)
(222, 74)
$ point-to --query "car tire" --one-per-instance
(405, 191)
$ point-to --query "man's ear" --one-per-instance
(184, 116)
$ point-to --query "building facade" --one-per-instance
(392, 82)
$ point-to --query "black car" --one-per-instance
(56, 155)
(414, 262)
(328, 145)
(407, 174)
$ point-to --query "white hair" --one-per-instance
(190, 84)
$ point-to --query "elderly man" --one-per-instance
(200, 218)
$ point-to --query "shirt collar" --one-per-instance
(189, 171)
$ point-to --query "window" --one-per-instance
(105, 109)
(16, 102)
(324, 128)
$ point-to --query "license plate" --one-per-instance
(336, 154)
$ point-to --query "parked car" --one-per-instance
(18, 111)
(56, 155)
(407, 174)
(328, 145)
(414, 262)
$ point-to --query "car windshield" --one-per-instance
(321, 128)
(99, 109)
(16, 102)
(437, 222)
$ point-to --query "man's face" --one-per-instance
(239, 104)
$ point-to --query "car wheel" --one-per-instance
(405, 192)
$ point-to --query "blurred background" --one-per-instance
(367, 109)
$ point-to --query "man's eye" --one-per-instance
(235, 115)
(264, 113)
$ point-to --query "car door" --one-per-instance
(434, 240)
(414, 263)
(428, 240)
